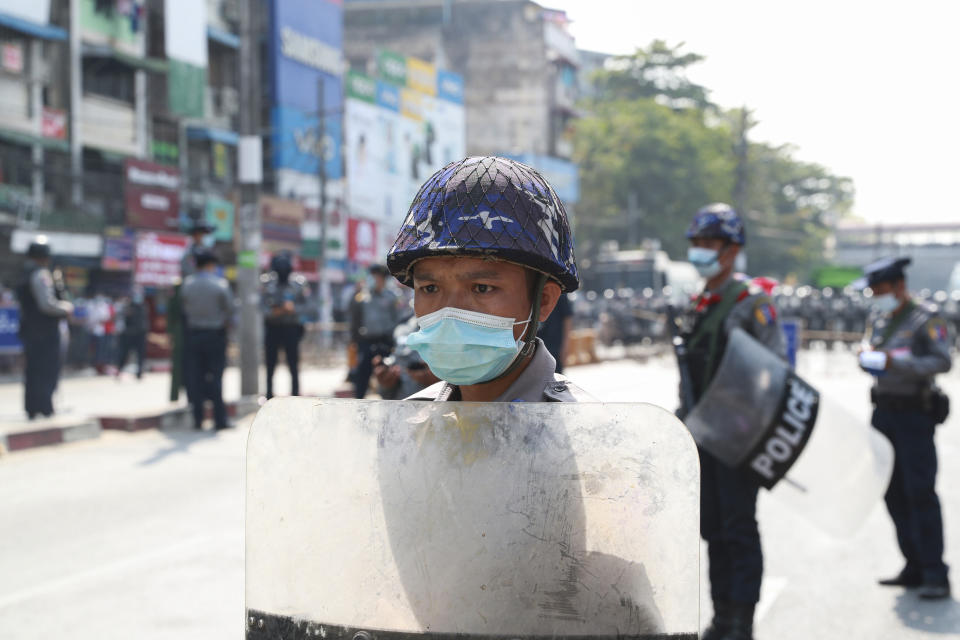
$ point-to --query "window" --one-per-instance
(108, 78)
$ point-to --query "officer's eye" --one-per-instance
(483, 288)
(427, 288)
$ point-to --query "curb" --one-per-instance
(92, 427)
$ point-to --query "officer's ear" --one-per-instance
(548, 299)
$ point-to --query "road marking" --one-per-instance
(769, 592)
(91, 575)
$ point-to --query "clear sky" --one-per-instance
(869, 89)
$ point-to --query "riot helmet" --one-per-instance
(718, 220)
(282, 265)
(39, 249)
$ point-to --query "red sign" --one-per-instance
(54, 123)
(157, 260)
(152, 198)
(362, 241)
(12, 57)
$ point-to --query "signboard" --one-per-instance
(158, 256)
(118, 251)
(12, 57)
(152, 196)
(185, 43)
(220, 214)
(9, 328)
(53, 123)
(362, 245)
(306, 53)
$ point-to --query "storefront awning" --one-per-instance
(17, 137)
(225, 38)
(223, 136)
(155, 65)
(35, 29)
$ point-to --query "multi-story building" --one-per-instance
(518, 60)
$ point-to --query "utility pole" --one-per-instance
(741, 151)
(322, 203)
(250, 163)
(76, 96)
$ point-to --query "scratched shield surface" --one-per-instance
(378, 519)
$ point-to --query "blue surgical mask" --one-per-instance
(466, 347)
(885, 303)
(706, 261)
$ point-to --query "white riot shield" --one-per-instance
(495, 520)
(756, 415)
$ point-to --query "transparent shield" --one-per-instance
(384, 519)
(842, 473)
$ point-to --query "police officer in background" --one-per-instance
(907, 343)
(199, 243)
(375, 313)
(41, 309)
(284, 305)
(728, 497)
(207, 306)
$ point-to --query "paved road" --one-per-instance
(141, 535)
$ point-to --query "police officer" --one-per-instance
(41, 310)
(728, 497)
(487, 248)
(199, 233)
(907, 343)
(284, 306)
(375, 314)
(207, 305)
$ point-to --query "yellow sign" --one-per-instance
(421, 76)
(411, 104)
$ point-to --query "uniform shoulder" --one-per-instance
(926, 309)
(429, 394)
(563, 390)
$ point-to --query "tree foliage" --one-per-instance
(652, 150)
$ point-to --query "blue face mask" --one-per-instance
(705, 260)
(466, 347)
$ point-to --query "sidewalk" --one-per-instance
(87, 404)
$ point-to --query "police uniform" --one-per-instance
(916, 339)
(539, 382)
(207, 305)
(375, 315)
(284, 330)
(41, 309)
(728, 498)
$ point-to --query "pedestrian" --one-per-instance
(728, 497)
(906, 344)
(555, 331)
(42, 308)
(284, 305)
(207, 307)
(488, 251)
(133, 336)
(375, 313)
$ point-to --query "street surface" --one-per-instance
(141, 534)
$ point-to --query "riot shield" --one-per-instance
(490, 520)
(759, 416)
(756, 415)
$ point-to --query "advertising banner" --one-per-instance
(220, 214)
(158, 256)
(563, 175)
(306, 51)
(152, 195)
(362, 242)
(53, 123)
(9, 327)
(185, 40)
(118, 251)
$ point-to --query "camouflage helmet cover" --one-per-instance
(718, 220)
(487, 206)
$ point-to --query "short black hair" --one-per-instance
(205, 258)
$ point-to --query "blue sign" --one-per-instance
(563, 175)
(791, 333)
(306, 51)
(449, 86)
(388, 96)
(9, 327)
(297, 144)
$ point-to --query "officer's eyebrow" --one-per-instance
(489, 274)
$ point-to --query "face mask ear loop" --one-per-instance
(530, 343)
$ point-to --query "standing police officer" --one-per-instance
(906, 344)
(41, 309)
(199, 232)
(283, 302)
(207, 305)
(728, 498)
(376, 313)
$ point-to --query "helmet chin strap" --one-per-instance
(530, 343)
